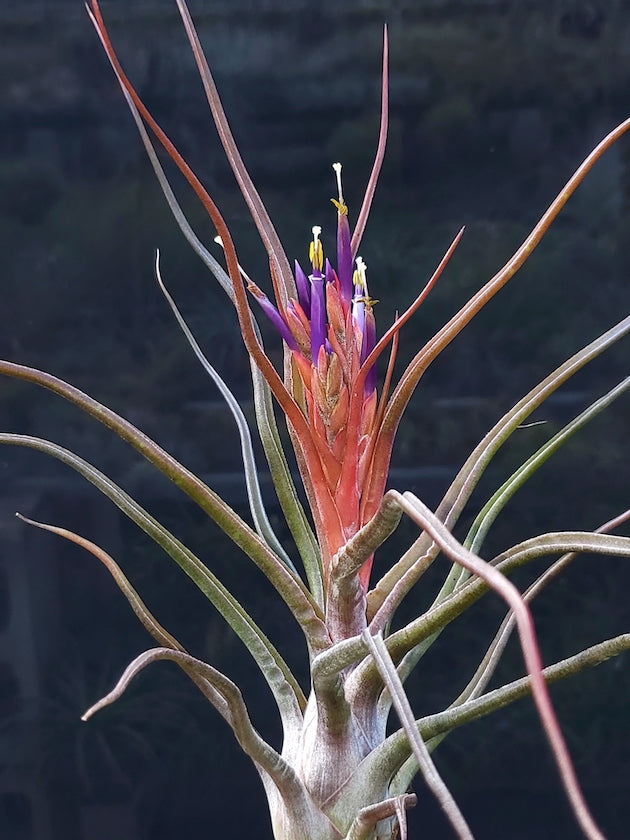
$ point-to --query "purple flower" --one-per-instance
(344, 249)
(303, 289)
(273, 314)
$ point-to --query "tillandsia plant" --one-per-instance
(338, 773)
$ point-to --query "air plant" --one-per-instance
(338, 773)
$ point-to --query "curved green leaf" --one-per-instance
(291, 589)
(254, 494)
(248, 738)
(292, 508)
(394, 752)
(490, 511)
(425, 628)
(148, 621)
(487, 666)
(434, 781)
(396, 583)
(494, 579)
(288, 694)
(280, 473)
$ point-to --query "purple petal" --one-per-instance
(274, 316)
(358, 309)
(360, 295)
(344, 247)
(329, 274)
(344, 257)
(303, 289)
(318, 315)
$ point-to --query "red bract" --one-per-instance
(330, 333)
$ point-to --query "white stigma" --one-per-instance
(361, 278)
(241, 270)
(337, 168)
(315, 251)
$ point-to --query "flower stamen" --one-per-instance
(316, 252)
(340, 204)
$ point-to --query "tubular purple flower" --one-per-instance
(344, 248)
(318, 295)
(272, 313)
(363, 317)
(303, 289)
(318, 315)
(329, 272)
(360, 295)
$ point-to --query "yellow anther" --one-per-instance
(368, 301)
(315, 251)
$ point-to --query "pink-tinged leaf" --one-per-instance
(384, 439)
(257, 209)
(427, 520)
(314, 468)
(442, 339)
(380, 154)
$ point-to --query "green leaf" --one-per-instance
(398, 581)
(248, 738)
(393, 753)
(291, 589)
(285, 488)
(501, 497)
(148, 621)
(288, 694)
(254, 494)
(434, 781)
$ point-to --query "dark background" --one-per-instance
(493, 104)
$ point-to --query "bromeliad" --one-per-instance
(337, 773)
